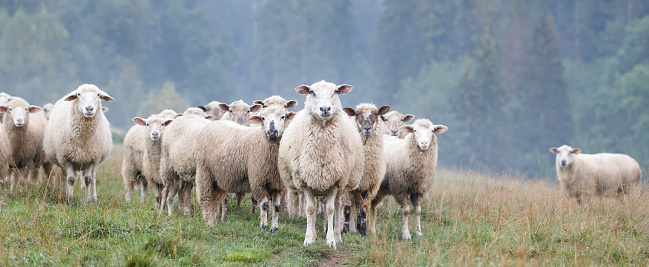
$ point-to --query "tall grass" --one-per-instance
(467, 219)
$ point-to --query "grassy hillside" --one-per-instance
(467, 219)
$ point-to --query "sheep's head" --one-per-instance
(4, 98)
(394, 120)
(423, 132)
(565, 155)
(274, 120)
(240, 111)
(47, 108)
(88, 99)
(276, 101)
(18, 111)
(169, 114)
(322, 98)
(154, 125)
(366, 116)
(214, 109)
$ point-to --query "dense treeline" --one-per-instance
(509, 78)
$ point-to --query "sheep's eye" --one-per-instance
(98, 95)
(263, 119)
(313, 94)
(147, 124)
(26, 108)
(282, 117)
(248, 111)
(414, 131)
(231, 111)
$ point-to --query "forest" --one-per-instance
(509, 78)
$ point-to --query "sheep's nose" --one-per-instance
(563, 163)
(19, 120)
(155, 134)
(425, 143)
(325, 109)
(90, 108)
(394, 133)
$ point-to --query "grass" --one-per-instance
(467, 219)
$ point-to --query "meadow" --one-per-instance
(468, 219)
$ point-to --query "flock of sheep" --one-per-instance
(338, 157)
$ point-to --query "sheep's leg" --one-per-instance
(302, 206)
(171, 193)
(143, 189)
(339, 217)
(33, 174)
(361, 216)
(163, 198)
(47, 170)
(87, 184)
(263, 213)
(69, 171)
(254, 203)
(186, 196)
(416, 201)
(129, 183)
(332, 200)
(94, 185)
(405, 206)
(373, 214)
(224, 208)
(310, 236)
(353, 207)
(207, 196)
(277, 202)
(292, 203)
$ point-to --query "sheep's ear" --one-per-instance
(33, 109)
(290, 116)
(303, 89)
(139, 121)
(203, 108)
(166, 123)
(210, 117)
(255, 108)
(350, 111)
(438, 129)
(554, 150)
(3, 109)
(104, 96)
(576, 151)
(71, 96)
(383, 118)
(255, 119)
(104, 109)
(343, 89)
(259, 102)
(290, 104)
(407, 128)
(224, 107)
(383, 110)
(179, 115)
(408, 117)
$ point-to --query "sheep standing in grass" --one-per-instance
(178, 159)
(24, 126)
(411, 165)
(367, 118)
(239, 159)
(78, 137)
(393, 121)
(321, 154)
(583, 175)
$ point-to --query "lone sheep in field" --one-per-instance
(321, 154)
(239, 159)
(587, 174)
(367, 118)
(78, 137)
(411, 165)
(24, 126)
(393, 121)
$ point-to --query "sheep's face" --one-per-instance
(366, 117)
(4, 98)
(214, 109)
(17, 110)
(239, 111)
(276, 101)
(423, 132)
(273, 120)
(47, 108)
(394, 120)
(565, 155)
(155, 124)
(322, 98)
(88, 99)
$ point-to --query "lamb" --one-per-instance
(238, 111)
(393, 122)
(213, 109)
(4, 98)
(239, 159)
(367, 120)
(136, 141)
(178, 159)
(410, 172)
(78, 137)
(24, 125)
(321, 154)
(589, 174)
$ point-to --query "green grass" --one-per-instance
(467, 219)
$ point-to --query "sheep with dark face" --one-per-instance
(78, 137)
(583, 175)
(321, 154)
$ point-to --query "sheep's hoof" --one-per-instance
(308, 242)
(418, 233)
(264, 227)
(273, 230)
(406, 236)
(331, 243)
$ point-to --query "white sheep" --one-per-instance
(213, 109)
(178, 158)
(393, 121)
(583, 175)
(4, 98)
(238, 111)
(238, 159)
(367, 118)
(410, 172)
(24, 126)
(321, 154)
(78, 137)
(47, 109)
(5, 154)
